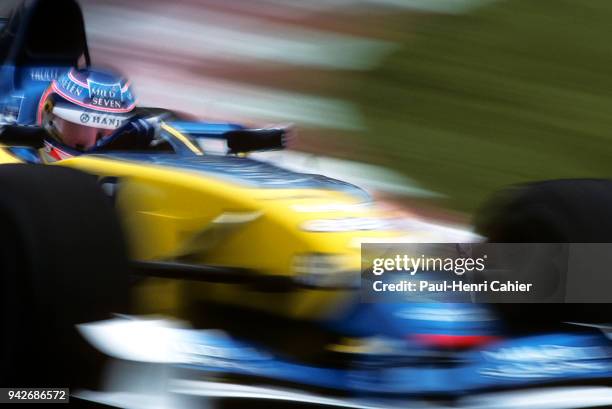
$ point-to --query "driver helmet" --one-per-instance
(85, 105)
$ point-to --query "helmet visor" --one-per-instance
(81, 129)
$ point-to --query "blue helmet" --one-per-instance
(84, 105)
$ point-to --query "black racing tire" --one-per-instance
(555, 211)
(63, 262)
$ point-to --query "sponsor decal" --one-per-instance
(102, 121)
(71, 87)
(45, 74)
(93, 119)
(107, 95)
(112, 91)
(95, 95)
(106, 103)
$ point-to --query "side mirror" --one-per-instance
(30, 136)
(250, 140)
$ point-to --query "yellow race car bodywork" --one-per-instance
(308, 235)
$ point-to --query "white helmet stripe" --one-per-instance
(90, 118)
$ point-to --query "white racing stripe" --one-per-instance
(224, 390)
(89, 117)
(547, 398)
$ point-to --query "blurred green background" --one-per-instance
(514, 91)
(461, 96)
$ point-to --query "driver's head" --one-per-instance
(83, 106)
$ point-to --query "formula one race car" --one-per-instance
(197, 226)
(149, 222)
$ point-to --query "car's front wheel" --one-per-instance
(556, 211)
(62, 262)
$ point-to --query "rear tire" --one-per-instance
(63, 261)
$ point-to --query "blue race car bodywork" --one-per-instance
(392, 360)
